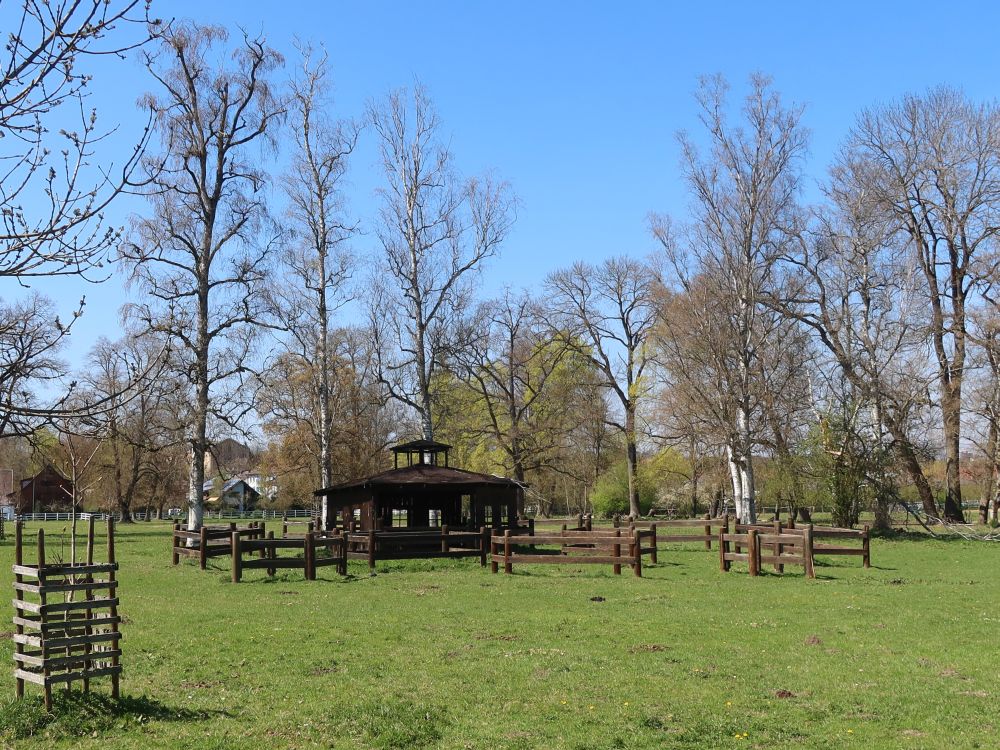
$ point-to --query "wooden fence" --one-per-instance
(67, 640)
(756, 547)
(210, 541)
(406, 545)
(862, 535)
(692, 530)
(616, 547)
(333, 543)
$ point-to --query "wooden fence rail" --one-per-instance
(756, 547)
(615, 547)
(405, 545)
(209, 541)
(701, 529)
(334, 544)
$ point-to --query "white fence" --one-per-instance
(209, 515)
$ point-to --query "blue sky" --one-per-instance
(577, 104)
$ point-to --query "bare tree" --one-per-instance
(848, 280)
(56, 183)
(318, 262)
(607, 313)
(932, 164)
(137, 427)
(744, 199)
(201, 256)
(436, 230)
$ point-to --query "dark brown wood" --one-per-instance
(653, 556)
(19, 629)
(203, 548)
(508, 566)
(807, 551)
(371, 552)
(753, 553)
(866, 546)
(617, 552)
(237, 554)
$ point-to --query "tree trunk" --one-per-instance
(913, 468)
(951, 403)
(633, 462)
(991, 478)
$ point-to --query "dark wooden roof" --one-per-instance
(422, 475)
(420, 445)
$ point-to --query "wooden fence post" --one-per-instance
(723, 549)
(19, 629)
(284, 526)
(778, 565)
(653, 556)
(508, 566)
(494, 551)
(708, 531)
(309, 556)
(753, 552)
(807, 551)
(866, 546)
(371, 552)
(113, 610)
(444, 538)
(261, 535)
(616, 551)
(203, 550)
(174, 557)
(344, 542)
(42, 598)
(562, 545)
(237, 555)
(89, 578)
(267, 552)
(531, 527)
(637, 553)
(484, 545)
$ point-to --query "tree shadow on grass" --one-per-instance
(75, 714)
(899, 535)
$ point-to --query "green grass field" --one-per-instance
(447, 655)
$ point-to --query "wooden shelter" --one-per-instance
(423, 491)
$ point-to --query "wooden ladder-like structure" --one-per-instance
(66, 619)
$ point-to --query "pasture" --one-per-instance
(442, 654)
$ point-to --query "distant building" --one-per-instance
(227, 458)
(235, 494)
(266, 485)
(46, 492)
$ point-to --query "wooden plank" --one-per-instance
(825, 549)
(49, 626)
(48, 644)
(274, 562)
(64, 606)
(737, 557)
(89, 674)
(64, 570)
(63, 662)
(255, 545)
(563, 560)
(35, 588)
(684, 538)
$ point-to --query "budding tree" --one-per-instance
(200, 256)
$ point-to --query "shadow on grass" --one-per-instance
(75, 714)
(899, 535)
